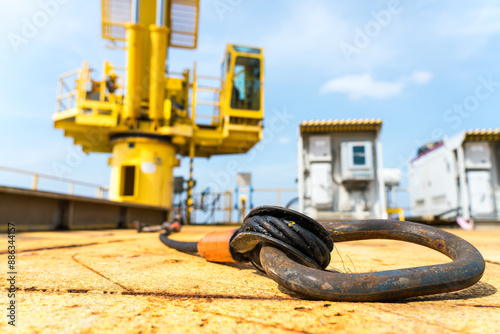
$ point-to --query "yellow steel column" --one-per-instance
(159, 44)
(138, 57)
(189, 201)
(157, 75)
(135, 73)
(147, 16)
(194, 85)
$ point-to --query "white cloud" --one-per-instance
(358, 86)
(284, 140)
(421, 77)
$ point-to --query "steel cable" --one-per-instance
(183, 246)
(292, 234)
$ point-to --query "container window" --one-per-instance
(358, 155)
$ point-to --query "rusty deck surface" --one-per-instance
(119, 281)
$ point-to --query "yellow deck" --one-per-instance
(123, 282)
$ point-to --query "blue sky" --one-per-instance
(427, 68)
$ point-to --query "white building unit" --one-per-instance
(340, 170)
(458, 177)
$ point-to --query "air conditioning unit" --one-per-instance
(477, 156)
(357, 160)
(319, 148)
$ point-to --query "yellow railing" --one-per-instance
(77, 90)
(215, 116)
(398, 211)
(66, 90)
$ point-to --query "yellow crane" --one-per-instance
(146, 116)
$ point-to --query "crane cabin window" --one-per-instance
(246, 84)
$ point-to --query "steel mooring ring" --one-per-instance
(466, 268)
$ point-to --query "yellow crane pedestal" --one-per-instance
(142, 171)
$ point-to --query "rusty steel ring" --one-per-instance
(466, 268)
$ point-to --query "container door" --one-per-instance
(321, 185)
(480, 193)
(497, 185)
